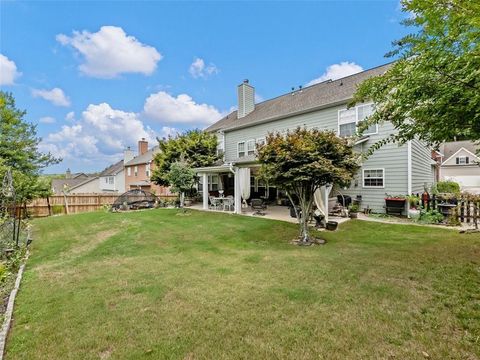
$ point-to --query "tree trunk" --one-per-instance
(49, 207)
(306, 200)
(182, 199)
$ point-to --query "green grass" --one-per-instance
(156, 285)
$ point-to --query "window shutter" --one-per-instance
(467, 160)
(458, 161)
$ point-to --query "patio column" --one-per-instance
(205, 190)
(237, 193)
(326, 194)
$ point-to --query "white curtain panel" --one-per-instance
(244, 175)
(321, 198)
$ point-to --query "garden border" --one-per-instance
(9, 312)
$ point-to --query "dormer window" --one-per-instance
(462, 160)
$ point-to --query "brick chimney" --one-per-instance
(142, 146)
(128, 155)
(246, 99)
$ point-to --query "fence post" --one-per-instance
(434, 202)
(462, 210)
(468, 210)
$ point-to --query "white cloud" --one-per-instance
(337, 71)
(46, 120)
(111, 52)
(100, 135)
(56, 96)
(70, 116)
(182, 109)
(8, 71)
(258, 98)
(198, 69)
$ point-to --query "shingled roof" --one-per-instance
(324, 94)
(144, 158)
(113, 169)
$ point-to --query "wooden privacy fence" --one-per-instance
(72, 204)
(466, 209)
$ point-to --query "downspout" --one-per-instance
(409, 174)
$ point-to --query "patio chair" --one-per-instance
(214, 203)
(228, 203)
(258, 206)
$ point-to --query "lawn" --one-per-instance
(158, 285)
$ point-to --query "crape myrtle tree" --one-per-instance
(433, 90)
(192, 149)
(19, 151)
(303, 160)
(181, 178)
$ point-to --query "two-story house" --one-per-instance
(138, 169)
(393, 169)
(460, 163)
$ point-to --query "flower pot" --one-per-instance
(353, 215)
(332, 225)
(413, 213)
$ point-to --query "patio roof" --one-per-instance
(225, 167)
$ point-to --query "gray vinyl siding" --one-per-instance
(390, 157)
(421, 167)
(324, 119)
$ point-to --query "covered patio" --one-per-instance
(236, 187)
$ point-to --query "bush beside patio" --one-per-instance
(155, 285)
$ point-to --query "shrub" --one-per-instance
(447, 186)
(430, 217)
(3, 271)
(57, 209)
(354, 208)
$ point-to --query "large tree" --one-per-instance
(19, 151)
(433, 90)
(302, 161)
(195, 148)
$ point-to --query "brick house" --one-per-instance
(138, 169)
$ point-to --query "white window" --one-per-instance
(110, 180)
(251, 147)
(348, 120)
(364, 111)
(463, 160)
(373, 178)
(220, 147)
(147, 170)
(241, 149)
(106, 180)
(135, 171)
(261, 141)
(129, 171)
(212, 183)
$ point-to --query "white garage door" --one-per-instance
(470, 183)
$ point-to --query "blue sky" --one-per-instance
(97, 76)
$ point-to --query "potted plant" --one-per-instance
(353, 211)
(413, 206)
(395, 204)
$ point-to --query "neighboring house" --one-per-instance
(70, 181)
(138, 169)
(110, 180)
(460, 163)
(393, 169)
